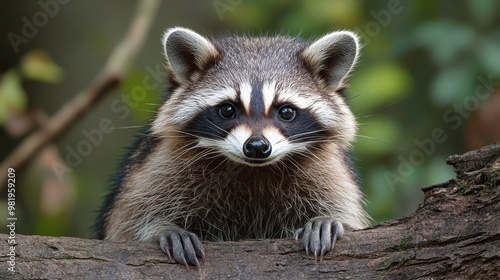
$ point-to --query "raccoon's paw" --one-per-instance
(319, 235)
(183, 246)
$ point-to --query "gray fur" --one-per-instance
(183, 185)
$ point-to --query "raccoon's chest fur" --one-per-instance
(231, 202)
(252, 142)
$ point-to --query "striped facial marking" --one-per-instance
(287, 96)
(231, 120)
(246, 96)
(268, 95)
(183, 109)
(265, 95)
(257, 106)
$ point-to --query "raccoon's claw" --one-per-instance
(182, 246)
(319, 235)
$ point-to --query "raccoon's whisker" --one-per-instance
(216, 126)
(127, 127)
(185, 150)
(361, 124)
(136, 132)
(208, 151)
(220, 163)
(148, 111)
(213, 155)
(306, 133)
(311, 139)
(300, 136)
(321, 141)
(192, 135)
(385, 107)
(175, 136)
(297, 167)
(201, 134)
(316, 160)
(202, 155)
(383, 142)
(312, 156)
(159, 136)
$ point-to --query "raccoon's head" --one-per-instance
(258, 100)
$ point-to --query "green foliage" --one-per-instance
(12, 95)
(378, 85)
(483, 12)
(37, 65)
(312, 17)
(487, 53)
(146, 101)
(454, 82)
(445, 39)
(377, 136)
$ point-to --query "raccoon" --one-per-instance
(252, 142)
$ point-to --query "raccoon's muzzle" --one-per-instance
(257, 147)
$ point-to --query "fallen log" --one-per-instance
(454, 234)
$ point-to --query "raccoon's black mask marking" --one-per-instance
(303, 128)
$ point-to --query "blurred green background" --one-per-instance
(427, 68)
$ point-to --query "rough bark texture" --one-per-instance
(455, 234)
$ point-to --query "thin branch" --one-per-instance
(109, 78)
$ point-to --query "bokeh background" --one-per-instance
(427, 68)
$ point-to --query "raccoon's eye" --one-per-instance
(227, 111)
(287, 113)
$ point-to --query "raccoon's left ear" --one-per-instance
(187, 53)
(331, 58)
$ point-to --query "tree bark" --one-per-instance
(455, 234)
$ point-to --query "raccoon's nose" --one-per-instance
(257, 147)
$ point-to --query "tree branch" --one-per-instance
(455, 234)
(108, 79)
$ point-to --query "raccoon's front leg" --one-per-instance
(319, 235)
(181, 245)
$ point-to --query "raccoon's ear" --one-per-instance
(331, 58)
(187, 53)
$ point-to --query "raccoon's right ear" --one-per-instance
(331, 58)
(187, 53)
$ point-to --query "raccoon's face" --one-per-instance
(258, 100)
